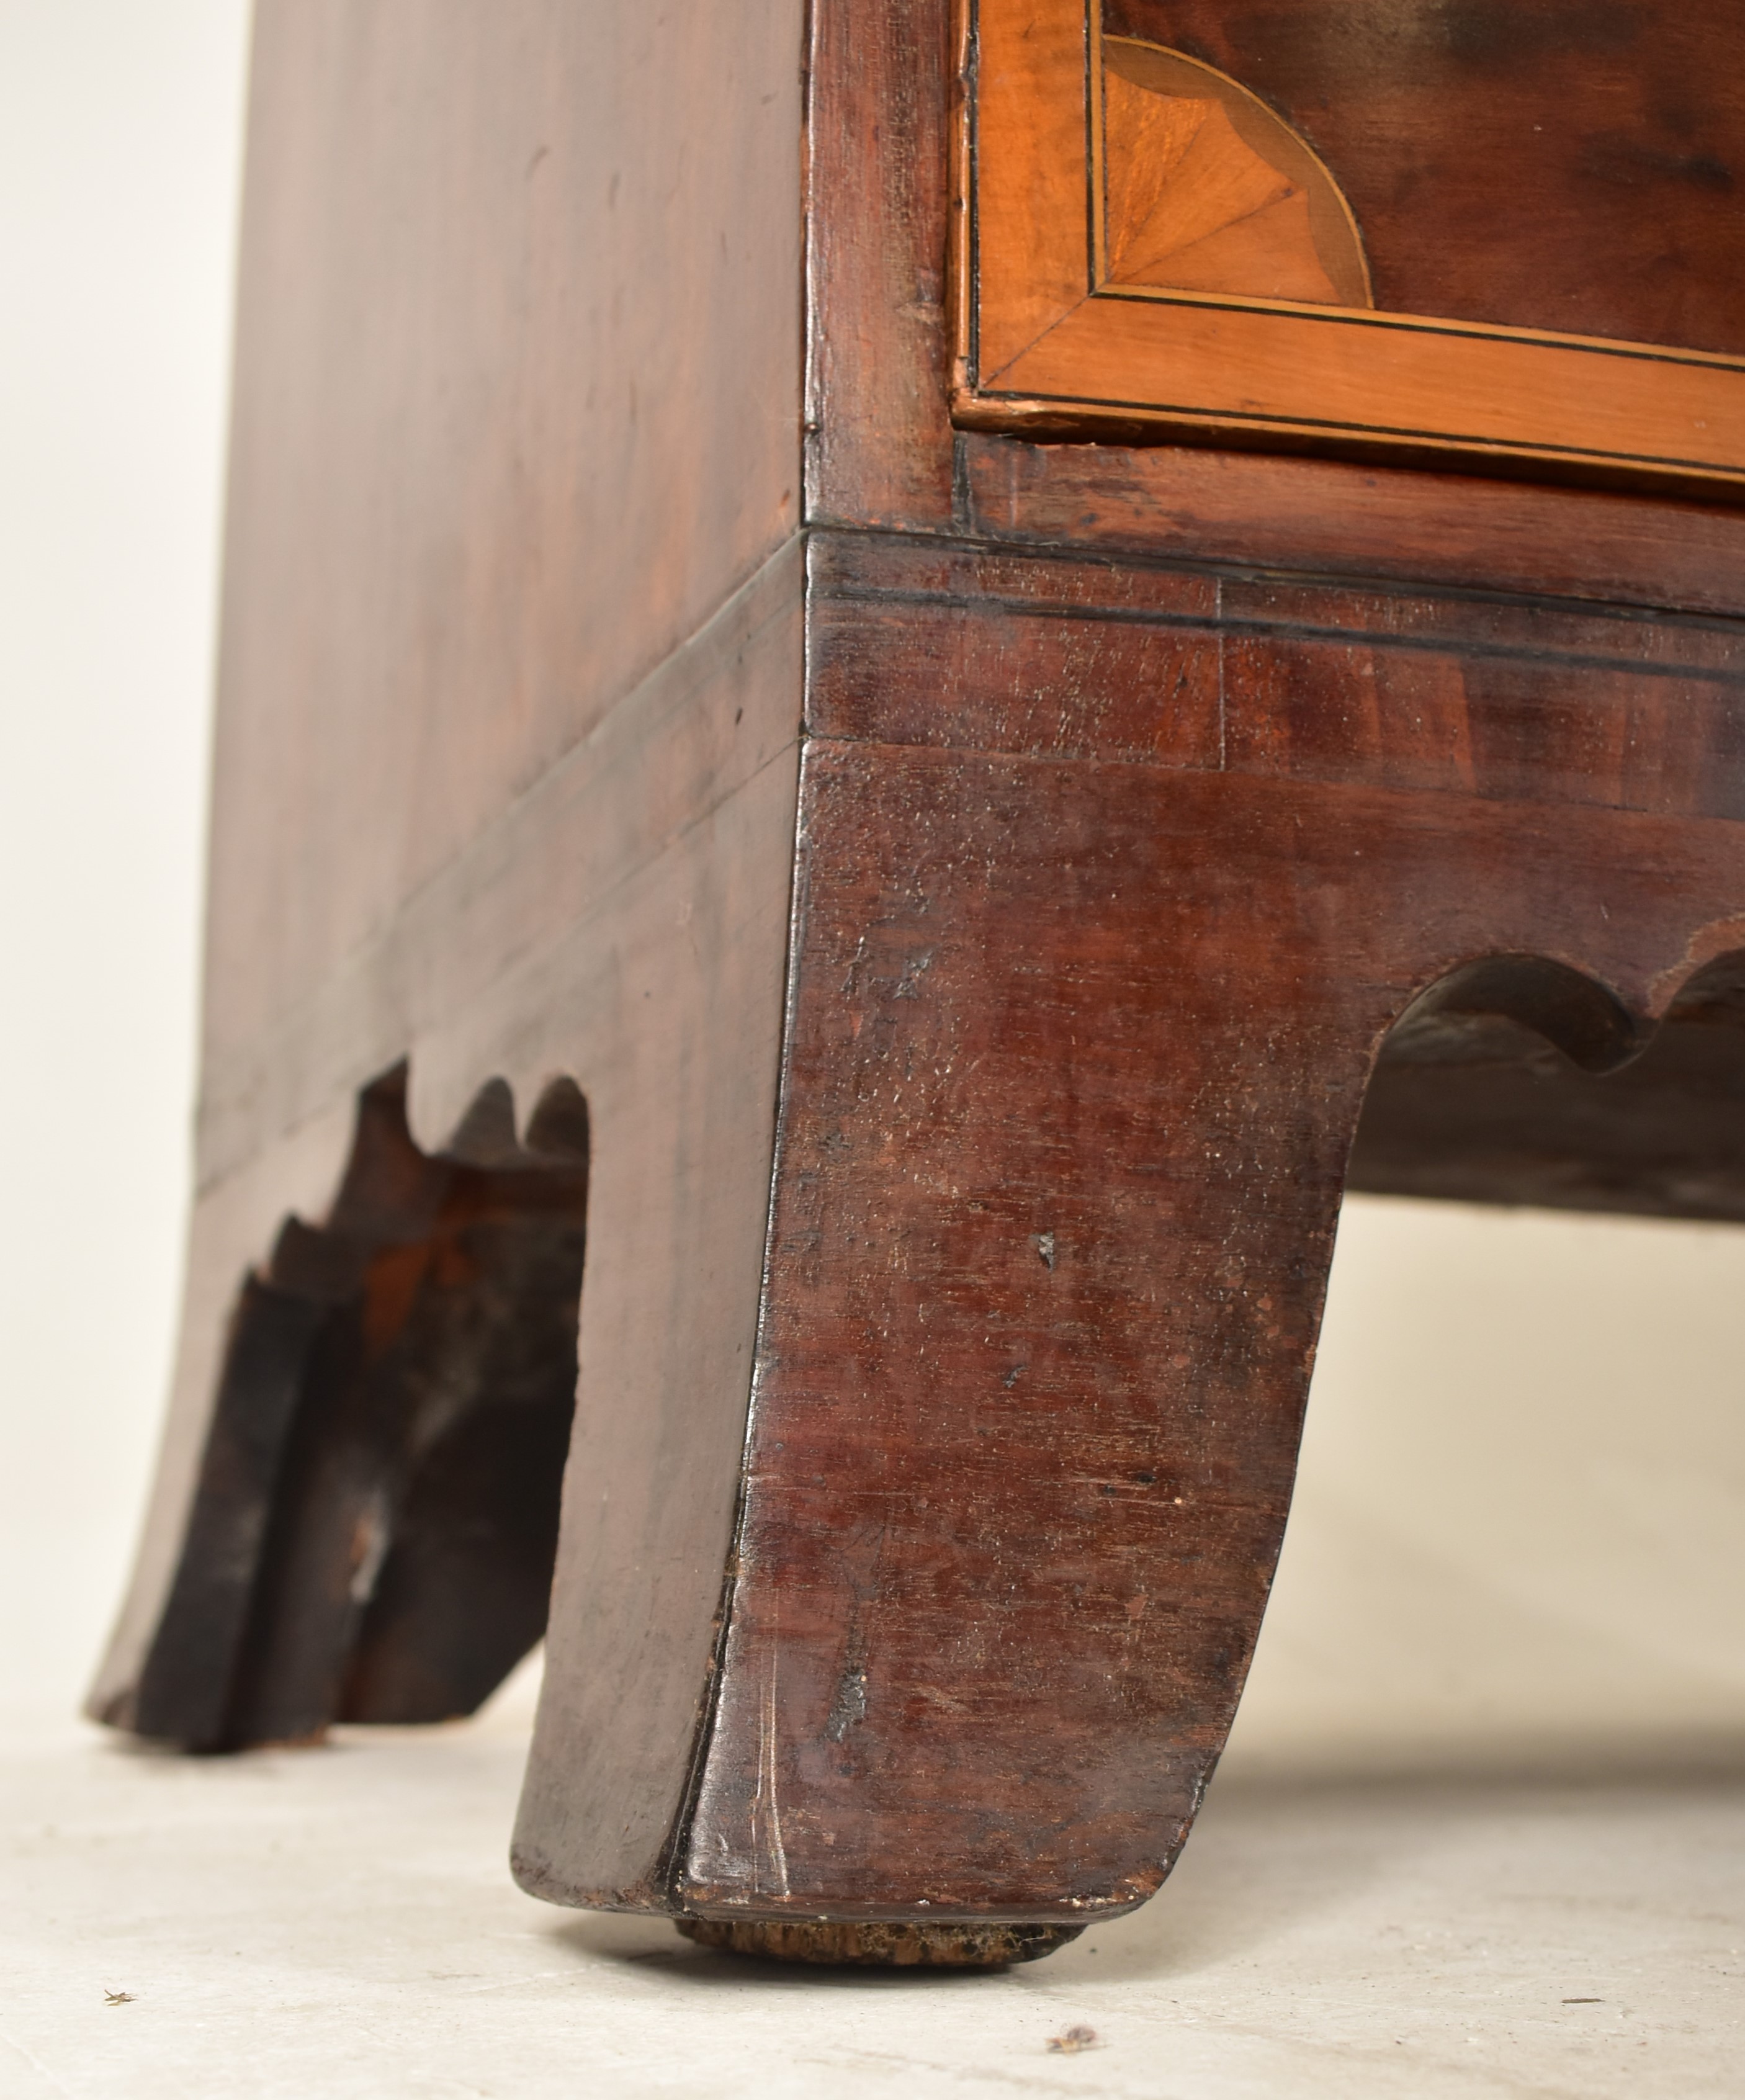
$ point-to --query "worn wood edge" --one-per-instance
(638, 1603)
(1062, 420)
(638, 1599)
(908, 1944)
(693, 1898)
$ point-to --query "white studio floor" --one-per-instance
(340, 1921)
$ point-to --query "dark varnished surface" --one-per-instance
(1499, 701)
(1057, 655)
(456, 533)
(1491, 1111)
(1144, 790)
(375, 1524)
(1060, 658)
(1097, 951)
(1078, 1050)
(504, 776)
(1553, 164)
(1323, 517)
(879, 447)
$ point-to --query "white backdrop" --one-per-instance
(1523, 1500)
(120, 127)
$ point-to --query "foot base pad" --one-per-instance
(878, 1944)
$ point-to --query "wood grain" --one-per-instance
(507, 751)
(1030, 176)
(975, 924)
(1047, 658)
(881, 450)
(1078, 1049)
(878, 231)
(1204, 189)
(447, 481)
(1495, 702)
(1331, 517)
(1548, 163)
(1059, 655)
(1199, 320)
(1198, 365)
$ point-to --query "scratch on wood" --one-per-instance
(766, 1812)
(848, 1707)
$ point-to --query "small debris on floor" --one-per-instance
(1075, 2039)
(1583, 2001)
(117, 1997)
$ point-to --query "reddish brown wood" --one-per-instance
(1549, 163)
(1328, 517)
(962, 1159)
(1522, 703)
(895, 623)
(1085, 1003)
(1078, 1050)
(507, 749)
(881, 79)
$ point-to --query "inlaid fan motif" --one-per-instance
(1151, 247)
(1206, 189)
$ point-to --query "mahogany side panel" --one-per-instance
(508, 627)
(478, 487)
(510, 693)
(626, 924)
